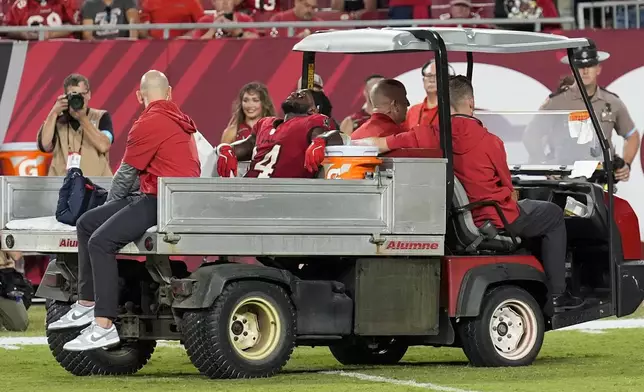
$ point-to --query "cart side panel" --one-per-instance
(419, 195)
(272, 206)
(33, 197)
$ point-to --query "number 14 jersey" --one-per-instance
(280, 146)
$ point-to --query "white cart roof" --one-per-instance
(456, 39)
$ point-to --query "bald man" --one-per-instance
(159, 144)
(354, 121)
(389, 100)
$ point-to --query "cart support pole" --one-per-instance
(308, 70)
(470, 65)
(608, 167)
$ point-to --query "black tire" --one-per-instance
(356, 351)
(481, 341)
(127, 358)
(206, 333)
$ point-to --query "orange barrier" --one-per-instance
(23, 159)
(350, 162)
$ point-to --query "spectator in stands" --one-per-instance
(254, 7)
(41, 13)
(354, 121)
(224, 13)
(109, 12)
(302, 11)
(461, 9)
(77, 138)
(252, 104)
(355, 7)
(426, 112)
(170, 11)
(526, 9)
(410, 9)
(318, 83)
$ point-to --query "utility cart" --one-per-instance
(367, 267)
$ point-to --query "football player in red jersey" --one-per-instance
(41, 13)
(252, 7)
(277, 147)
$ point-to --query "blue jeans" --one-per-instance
(405, 12)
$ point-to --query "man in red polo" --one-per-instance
(426, 112)
(159, 144)
(480, 164)
(389, 100)
(166, 11)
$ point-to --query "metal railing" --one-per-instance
(612, 14)
(166, 27)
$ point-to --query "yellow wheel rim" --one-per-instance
(254, 328)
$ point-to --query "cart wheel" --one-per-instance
(127, 358)
(357, 351)
(13, 315)
(508, 331)
(248, 332)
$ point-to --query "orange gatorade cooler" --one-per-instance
(350, 162)
(23, 159)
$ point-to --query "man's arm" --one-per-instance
(124, 182)
(346, 126)
(88, 35)
(332, 138)
(380, 142)
(99, 140)
(337, 5)
(132, 15)
(244, 148)
(499, 159)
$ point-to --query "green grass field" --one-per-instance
(569, 361)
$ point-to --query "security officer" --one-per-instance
(609, 108)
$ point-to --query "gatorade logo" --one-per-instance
(29, 167)
(332, 174)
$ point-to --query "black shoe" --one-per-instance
(566, 301)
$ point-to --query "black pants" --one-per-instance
(545, 220)
(102, 232)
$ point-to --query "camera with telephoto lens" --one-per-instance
(75, 101)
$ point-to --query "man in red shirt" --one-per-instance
(461, 9)
(302, 11)
(224, 14)
(354, 121)
(277, 146)
(480, 164)
(170, 11)
(253, 7)
(389, 100)
(41, 13)
(426, 112)
(159, 144)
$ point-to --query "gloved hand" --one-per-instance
(314, 154)
(226, 161)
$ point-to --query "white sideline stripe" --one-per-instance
(14, 343)
(406, 383)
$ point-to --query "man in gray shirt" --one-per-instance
(109, 12)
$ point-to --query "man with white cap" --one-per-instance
(609, 108)
(461, 9)
(318, 84)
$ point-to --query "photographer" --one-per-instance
(78, 135)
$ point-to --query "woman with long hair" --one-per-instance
(252, 103)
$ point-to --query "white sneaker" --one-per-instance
(78, 316)
(94, 337)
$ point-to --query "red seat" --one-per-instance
(375, 15)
